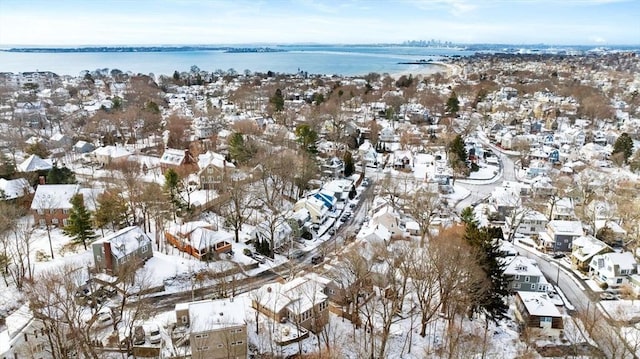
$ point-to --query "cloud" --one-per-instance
(454, 7)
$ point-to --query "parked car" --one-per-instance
(558, 255)
(138, 335)
(154, 334)
(259, 258)
(332, 231)
(607, 296)
(317, 259)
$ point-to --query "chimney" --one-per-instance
(108, 260)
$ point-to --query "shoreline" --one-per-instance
(431, 68)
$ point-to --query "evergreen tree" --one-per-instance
(453, 104)
(307, 138)
(624, 145)
(79, 222)
(238, 148)
(457, 149)
(277, 100)
(7, 166)
(349, 165)
(62, 175)
(488, 295)
(467, 216)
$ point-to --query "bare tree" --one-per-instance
(423, 206)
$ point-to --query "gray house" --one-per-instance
(129, 246)
(524, 275)
(559, 235)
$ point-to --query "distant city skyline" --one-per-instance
(176, 22)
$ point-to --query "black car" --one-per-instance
(317, 259)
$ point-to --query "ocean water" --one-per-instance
(329, 60)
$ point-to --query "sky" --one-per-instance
(180, 22)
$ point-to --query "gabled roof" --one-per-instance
(523, 266)
(125, 241)
(213, 159)
(585, 247)
(624, 260)
(15, 188)
(54, 196)
(112, 151)
(173, 156)
(34, 163)
(202, 238)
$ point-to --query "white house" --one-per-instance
(613, 268)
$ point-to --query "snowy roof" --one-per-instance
(188, 227)
(34, 163)
(624, 260)
(15, 188)
(585, 247)
(614, 226)
(112, 151)
(213, 159)
(202, 238)
(173, 156)
(571, 228)
(523, 266)
(376, 233)
(208, 315)
(538, 304)
(54, 196)
(125, 241)
(297, 295)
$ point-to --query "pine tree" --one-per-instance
(489, 295)
(453, 104)
(79, 222)
(624, 145)
(457, 149)
(277, 100)
(349, 166)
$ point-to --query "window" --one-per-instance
(65, 211)
(198, 336)
(516, 285)
(42, 222)
(184, 319)
(65, 222)
(219, 346)
(40, 211)
(527, 279)
(239, 342)
(619, 280)
(145, 249)
(201, 349)
(54, 221)
(517, 277)
(533, 286)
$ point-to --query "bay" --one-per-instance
(315, 59)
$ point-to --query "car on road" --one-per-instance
(607, 296)
(332, 231)
(343, 218)
(297, 254)
(558, 256)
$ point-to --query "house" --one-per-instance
(129, 246)
(528, 223)
(333, 167)
(561, 209)
(375, 234)
(199, 239)
(618, 234)
(216, 329)
(277, 233)
(368, 154)
(214, 169)
(52, 202)
(584, 248)
(108, 155)
(318, 211)
(338, 189)
(523, 274)
(174, 158)
(559, 235)
(23, 334)
(387, 217)
(301, 301)
(34, 163)
(83, 147)
(613, 269)
(14, 189)
(537, 314)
